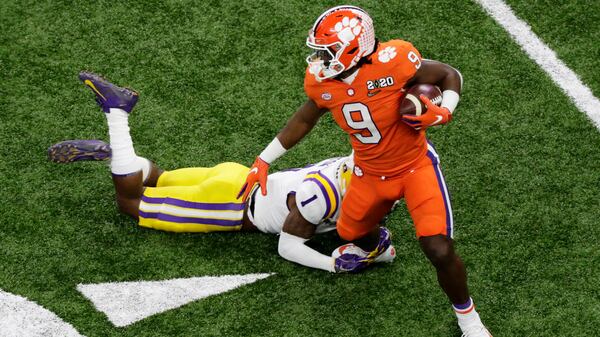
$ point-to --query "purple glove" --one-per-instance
(351, 263)
(385, 240)
(354, 263)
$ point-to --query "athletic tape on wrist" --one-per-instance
(273, 151)
(450, 100)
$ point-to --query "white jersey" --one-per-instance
(318, 188)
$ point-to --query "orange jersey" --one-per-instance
(367, 109)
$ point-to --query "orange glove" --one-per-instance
(434, 115)
(258, 173)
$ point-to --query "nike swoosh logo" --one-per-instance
(373, 93)
(438, 119)
(93, 87)
(254, 170)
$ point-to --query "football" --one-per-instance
(348, 248)
(412, 105)
(387, 256)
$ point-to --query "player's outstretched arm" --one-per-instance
(296, 231)
(301, 123)
(296, 128)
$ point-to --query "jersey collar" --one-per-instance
(349, 79)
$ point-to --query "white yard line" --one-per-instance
(125, 303)
(545, 57)
(22, 317)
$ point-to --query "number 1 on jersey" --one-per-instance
(364, 123)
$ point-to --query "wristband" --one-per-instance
(450, 100)
(273, 151)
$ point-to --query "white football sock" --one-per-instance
(124, 160)
(146, 165)
(467, 315)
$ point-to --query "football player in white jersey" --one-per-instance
(302, 201)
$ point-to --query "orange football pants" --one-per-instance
(370, 197)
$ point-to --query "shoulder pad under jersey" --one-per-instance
(318, 197)
(400, 55)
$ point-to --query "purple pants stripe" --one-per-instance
(181, 219)
(229, 206)
(442, 186)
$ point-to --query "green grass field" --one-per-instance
(217, 80)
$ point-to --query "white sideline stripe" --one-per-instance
(22, 317)
(190, 212)
(125, 303)
(545, 57)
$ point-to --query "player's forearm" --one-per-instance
(301, 123)
(284, 141)
(296, 128)
(443, 75)
(292, 248)
(452, 80)
(293, 132)
(447, 78)
(451, 86)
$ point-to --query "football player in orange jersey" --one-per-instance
(362, 81)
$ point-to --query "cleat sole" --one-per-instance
(68, 152)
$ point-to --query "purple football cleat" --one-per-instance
(109, 95)
(77, 150)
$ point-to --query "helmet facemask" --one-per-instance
(325, 62)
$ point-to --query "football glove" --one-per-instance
(351, 263)
(258, 174)
(434, 115)
(385, 240)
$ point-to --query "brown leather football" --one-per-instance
(412, 105)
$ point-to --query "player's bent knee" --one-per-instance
(438, 249)
(129, 206)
